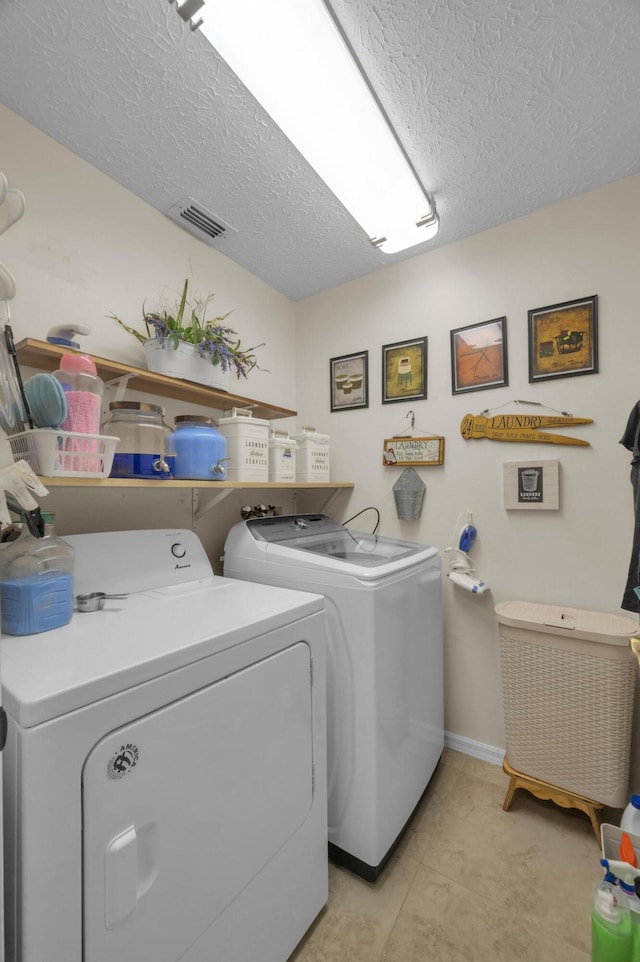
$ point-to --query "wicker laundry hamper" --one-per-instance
(568, 684)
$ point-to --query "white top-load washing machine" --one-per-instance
(384, 671)
(165, 767)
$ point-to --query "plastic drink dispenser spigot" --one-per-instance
(83, 390)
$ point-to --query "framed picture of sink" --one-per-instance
(350, 381)
(404, 371)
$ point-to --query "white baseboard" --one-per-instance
(487, 753)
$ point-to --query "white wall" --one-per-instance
(575, 556)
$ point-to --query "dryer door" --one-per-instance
(183, 807)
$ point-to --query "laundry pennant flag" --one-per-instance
(520, 427)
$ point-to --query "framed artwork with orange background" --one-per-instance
(479, 356)
(563, 339)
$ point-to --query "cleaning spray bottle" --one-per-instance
(611, 937)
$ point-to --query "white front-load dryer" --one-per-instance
(385, 716)
(165, 766)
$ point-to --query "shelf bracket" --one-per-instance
(332, 497)
(197, 512)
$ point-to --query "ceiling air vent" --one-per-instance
(198, 220)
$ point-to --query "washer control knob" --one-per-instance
(178, 550)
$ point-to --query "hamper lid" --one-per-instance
(559, 620)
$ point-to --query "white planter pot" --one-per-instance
(185, 363)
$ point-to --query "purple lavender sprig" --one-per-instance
(213, 340)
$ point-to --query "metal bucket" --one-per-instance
(408, 492)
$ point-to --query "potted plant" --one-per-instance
(184, 344)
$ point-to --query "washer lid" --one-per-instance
(318, 535)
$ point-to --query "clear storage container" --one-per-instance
(83, 391)
(36, 582)
(568, 685)
(145, 446)
(200, 449)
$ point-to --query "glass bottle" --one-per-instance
(145, 448)
(36, 582)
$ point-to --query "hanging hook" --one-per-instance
(413, 419)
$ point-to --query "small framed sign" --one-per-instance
(350, 381)
(412, 451)
(531, 485)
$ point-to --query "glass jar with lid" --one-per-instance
(145, 446)
(201, 450)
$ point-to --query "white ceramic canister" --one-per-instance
(247, 446)
(312, 459)
(282, 456)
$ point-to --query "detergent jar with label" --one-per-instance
(200, 449)
(36, 582)
(145, 446)
(83, 392)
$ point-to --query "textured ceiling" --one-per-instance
(503, 106)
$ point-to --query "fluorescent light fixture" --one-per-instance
(293, 59)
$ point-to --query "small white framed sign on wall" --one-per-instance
(531, 485)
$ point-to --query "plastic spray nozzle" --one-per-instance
(622, 870)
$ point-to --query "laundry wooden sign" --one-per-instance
(520, 427)
(412, 451)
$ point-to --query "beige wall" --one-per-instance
(575, 556)
(87, 247)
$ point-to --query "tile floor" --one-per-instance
(469, 882)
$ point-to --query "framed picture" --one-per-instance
(409, 451)
(350, 381)
(479, 356)
(531, 485)
(563, 339)
(404, 371)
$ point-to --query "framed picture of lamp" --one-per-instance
(563, 339)
(404, 371)
(479, 356)
(349, 381)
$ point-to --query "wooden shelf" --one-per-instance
(46, 357)
(211, 485)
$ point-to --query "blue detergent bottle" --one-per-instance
(36, 582)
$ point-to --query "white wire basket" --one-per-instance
(65, 454)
